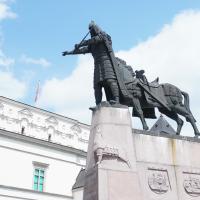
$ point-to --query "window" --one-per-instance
(39, 175)
(39, 179)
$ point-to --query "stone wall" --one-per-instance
(138, 165)
(168, 166)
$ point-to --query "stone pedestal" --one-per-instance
(111, 161)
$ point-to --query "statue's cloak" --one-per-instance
(125, 94)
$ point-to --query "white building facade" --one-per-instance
(41, 152)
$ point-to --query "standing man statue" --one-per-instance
(106, 70)
(100, 45)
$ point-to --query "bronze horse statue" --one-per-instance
(169, 99)
(123, 86)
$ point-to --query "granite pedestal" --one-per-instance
(126, 164)
(111, 162)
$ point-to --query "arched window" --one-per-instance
(50, 130)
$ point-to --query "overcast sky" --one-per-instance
(161, 37)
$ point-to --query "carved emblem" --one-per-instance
(158, 181)
(191, 184)
(102, 149)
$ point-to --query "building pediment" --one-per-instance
(26, 112)
(76, 128)
(52, 120)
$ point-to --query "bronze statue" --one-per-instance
(104, 73)
(124, 86)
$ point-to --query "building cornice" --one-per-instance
(43, 143)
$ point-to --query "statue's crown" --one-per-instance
(94, 27)
(92, 24)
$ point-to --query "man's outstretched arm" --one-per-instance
(82, 50)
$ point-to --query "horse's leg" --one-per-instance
(189, 117)
(138, 109)
(173, 115)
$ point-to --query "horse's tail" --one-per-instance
(187, 103)
(186, 100)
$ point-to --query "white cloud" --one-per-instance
(172, 54)
(73, 95)
(5, 62)
(175, 49)
(5, 10)
(11, 87)
(41, 61)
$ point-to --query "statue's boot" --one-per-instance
(116, 101)
(93, 108)
(115, 93)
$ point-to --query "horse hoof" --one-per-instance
(197, 134)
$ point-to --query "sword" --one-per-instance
(82, 40)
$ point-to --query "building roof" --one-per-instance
(80, 180)
(2, 98)
(162, 126)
